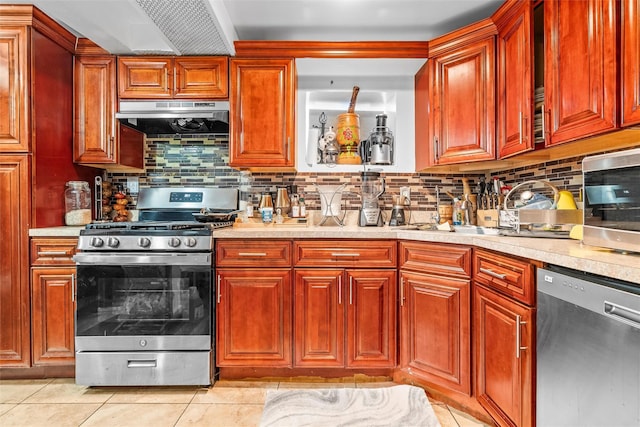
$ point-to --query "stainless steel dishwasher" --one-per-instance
(588, 350)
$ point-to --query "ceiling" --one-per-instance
(209, 27)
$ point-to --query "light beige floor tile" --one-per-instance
(15, 391)
(65, 390)
(48, 415)
(246, 384)
(154, 395)
(231, 395)
(4, 407)
(444, 416)
(139, 415)
(221, 415)
(465, 420)
(287, 385)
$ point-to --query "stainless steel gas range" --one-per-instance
(144, 304)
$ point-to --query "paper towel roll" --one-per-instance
(312, 146)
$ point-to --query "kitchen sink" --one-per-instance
(465, 229)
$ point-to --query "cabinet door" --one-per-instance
(515, 79)
(504, 334)
(464, 104)
(580, 68)
(262, 103)
(630, 67)
(14, 260)
(435, 329)
(371, 318)
(145, 77)
(253, 317)
(52, 312)
(14, 98)
(319, 313)
(201, 77)
(95, 138)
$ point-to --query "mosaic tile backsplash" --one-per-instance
(203, 160)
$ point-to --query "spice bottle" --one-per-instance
(295, 207)
(303, 207)
(77, 203)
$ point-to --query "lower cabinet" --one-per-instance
(345, 318)
(52, 301)
(435, 312)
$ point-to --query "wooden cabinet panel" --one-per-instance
(53, 251)
(511, 276)
(95, 106)
(14, 260)
(14, 90)
(262, 113)
(202, 77)
(504, 333)
(319, 316)
(52, 311)
(253, 253)
(515, 79)
(145, 77)
(580, 80)
(345, 253)
(436, 259)
(253, 317)
(630, 62)
(436, 329)
(371, 318)
(463, 103)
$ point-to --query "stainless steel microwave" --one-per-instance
(612, 200)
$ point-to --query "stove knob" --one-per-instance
(174, 242)
(144, 242)
(113, 242)
(96, 242)
(190, 242)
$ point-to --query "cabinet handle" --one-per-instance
(350, 290)
(344, 254)
(520, 127)
(218, 291)
(493, 273)
(340, 289)
(435, 148)
(518, 338)
(51, 253)
(544, 121)
(252, 254)
(73, 288)
(401, 291)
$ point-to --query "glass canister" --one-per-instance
(77, 203)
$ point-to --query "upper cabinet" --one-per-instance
(630, 66)
(460, 106)
(262, 113)
(188, 77)
(580, 76)
(14, 108)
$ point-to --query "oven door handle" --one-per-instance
(171, 258)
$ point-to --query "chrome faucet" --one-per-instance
(436, 216)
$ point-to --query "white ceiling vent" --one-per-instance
(190, 26)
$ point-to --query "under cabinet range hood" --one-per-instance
(175, 116)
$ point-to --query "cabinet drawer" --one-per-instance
(53, 251)
(435, 258)
(254, 253)
(345, 253)
(511, 276)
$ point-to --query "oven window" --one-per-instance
(612, 198)
(143, 300)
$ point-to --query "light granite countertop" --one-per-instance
(563, 252)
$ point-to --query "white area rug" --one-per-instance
(396, 406)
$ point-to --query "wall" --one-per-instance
(196, 160)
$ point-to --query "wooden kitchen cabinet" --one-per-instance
(435, 314)
(345, 304)
(580, 76)
(14, 107)
(461, 98)
(262, 113)
(630, 62)
(187, 77)
(99, 139)
(504, 337)
(254, 303)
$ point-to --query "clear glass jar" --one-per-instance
(77, 203)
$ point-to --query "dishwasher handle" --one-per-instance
(622, 314)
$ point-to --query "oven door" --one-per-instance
(137, 301)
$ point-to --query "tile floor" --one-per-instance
(60, 402)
